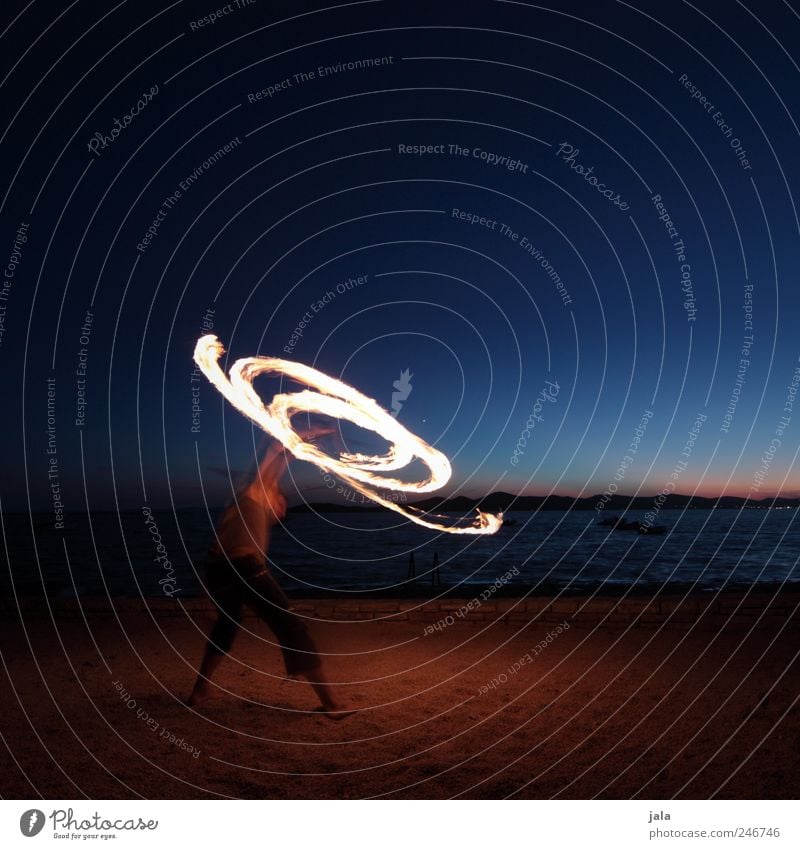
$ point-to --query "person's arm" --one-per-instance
(269, 472)
(244, 525)
(264, 487)
(275, 461)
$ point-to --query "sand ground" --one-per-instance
(609, 711)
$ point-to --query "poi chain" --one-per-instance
(339, 401)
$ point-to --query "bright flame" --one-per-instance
(339, 401)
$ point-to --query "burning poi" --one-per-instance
(339, 401)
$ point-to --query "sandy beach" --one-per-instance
(658, 704)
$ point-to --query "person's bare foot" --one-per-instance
(198, 696)
(336, 713)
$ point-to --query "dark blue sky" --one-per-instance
(591, 295)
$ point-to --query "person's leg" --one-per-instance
(329, 705)
(202, 686)
(300, 654)
(229, 613)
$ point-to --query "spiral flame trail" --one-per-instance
(339, 401)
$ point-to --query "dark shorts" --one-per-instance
(247, 581)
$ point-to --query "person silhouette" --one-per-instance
(237, 574)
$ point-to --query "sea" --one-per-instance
(371, 553)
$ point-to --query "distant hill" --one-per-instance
(504, 501)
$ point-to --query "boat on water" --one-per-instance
(618, 523)
(652, 529)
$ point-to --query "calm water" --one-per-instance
(370, 552)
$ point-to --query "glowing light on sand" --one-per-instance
(339, 401)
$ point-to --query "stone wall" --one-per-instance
(706, 610)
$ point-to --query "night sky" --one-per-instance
(595, 199)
